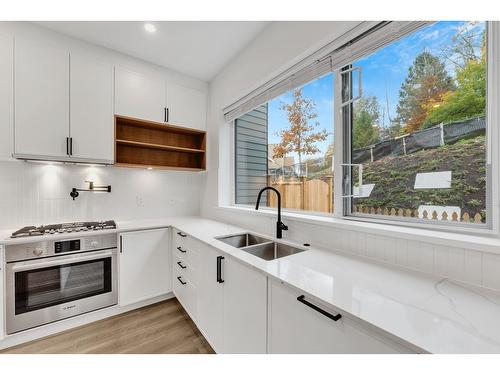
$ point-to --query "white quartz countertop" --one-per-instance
(431, 314)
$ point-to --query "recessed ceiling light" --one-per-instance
(149, 27)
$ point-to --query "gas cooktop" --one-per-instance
(84, 226)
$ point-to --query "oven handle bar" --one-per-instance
(39, 263)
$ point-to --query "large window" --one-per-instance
(287, 143)
(417, 135)
(412, 106)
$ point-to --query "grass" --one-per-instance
(394, 178)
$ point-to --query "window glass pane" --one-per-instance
(288, 144)
(419, 129)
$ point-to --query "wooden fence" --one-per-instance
(317, 195)
(303, 194)
(465, 218)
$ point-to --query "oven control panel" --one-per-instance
(66, 246)
(40, 249)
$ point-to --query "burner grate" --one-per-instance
(64, 228)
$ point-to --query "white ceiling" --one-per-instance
(198, 49)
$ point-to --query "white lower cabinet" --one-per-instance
(210, 296)
(145, 269)
(2, 307)
(245, 309)
(295, 327)
(229, 305)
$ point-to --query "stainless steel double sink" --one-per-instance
(259, 246)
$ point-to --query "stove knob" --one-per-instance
(94, 244)
(38, 251)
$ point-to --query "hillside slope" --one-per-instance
(394, 178)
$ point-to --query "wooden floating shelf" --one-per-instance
(147, 144)
(125, 165)
(159, 147)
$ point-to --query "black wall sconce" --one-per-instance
(92, 188)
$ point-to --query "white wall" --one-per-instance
(274, 50)
(34, 193)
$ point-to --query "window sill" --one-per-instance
(486, 242)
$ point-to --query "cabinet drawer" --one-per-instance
(295, 327)
(185, 291)
(182, 267)
(187, 250)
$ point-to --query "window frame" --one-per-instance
(343, 152)
(227, 196)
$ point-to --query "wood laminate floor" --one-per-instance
(160, 328)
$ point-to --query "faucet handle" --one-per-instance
(283, 226)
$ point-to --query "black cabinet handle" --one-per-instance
(167, 114)
(180, 249)
(320, 310)
(181, 265)
(219, 269)
(180, 280)
(121, 244)
(70, 146)
(181, 234)
(67, 146)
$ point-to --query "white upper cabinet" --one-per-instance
(41, 103)
(6, 110)
(145, 270)
(91, 109)
(186, 107)
(139, 96)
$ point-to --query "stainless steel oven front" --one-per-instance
(52, 280)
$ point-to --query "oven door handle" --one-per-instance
(43, 263)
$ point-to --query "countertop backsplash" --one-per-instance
(33, 193)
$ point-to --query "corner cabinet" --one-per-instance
(139, 96)
(144, 265)
(150, 98)
(296, 327)
(226, 299)
(63, 105)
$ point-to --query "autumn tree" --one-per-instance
(365, 128)
(425, 86)
(300, 136)
(469, 98)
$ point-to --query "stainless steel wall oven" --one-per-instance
(55, 279)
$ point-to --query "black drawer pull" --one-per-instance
(180, 280)
(182, 234)
(180, 249)
(219, 269)
(181, 265)
(321, 311)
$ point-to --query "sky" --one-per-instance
(383, 72)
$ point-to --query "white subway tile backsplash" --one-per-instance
(389, 249)
(456, 266)
(371, 250)
(491, 271)
(402, 252)
(473, 267)
(442, 260)
(38, 193)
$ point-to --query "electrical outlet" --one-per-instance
(139, 202)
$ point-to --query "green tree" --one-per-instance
(365, 125)
(300, 136)
(469, 99)
(425, 85)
